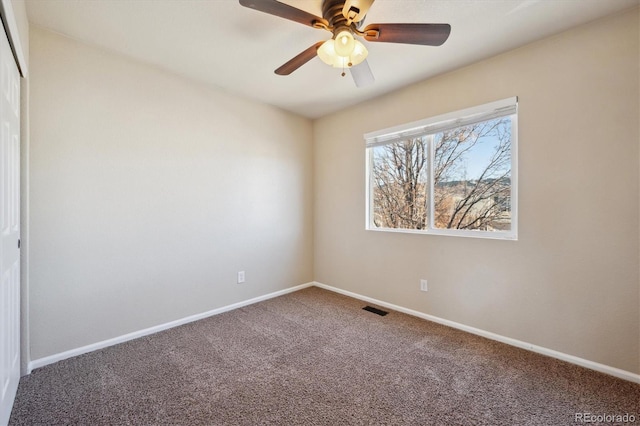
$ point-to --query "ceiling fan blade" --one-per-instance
(299, 60)
(362, 74)
(356, 10)
(285, 11)
(425, 34)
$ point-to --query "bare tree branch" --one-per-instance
(400, 193)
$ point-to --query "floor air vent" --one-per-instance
(375, 310)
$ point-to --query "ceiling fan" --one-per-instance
(343, 18)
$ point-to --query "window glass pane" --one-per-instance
(472, 177)
(399, 184)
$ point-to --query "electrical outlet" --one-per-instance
(423, 285)
(240, 277)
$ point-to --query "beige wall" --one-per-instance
(149, 192)
(570, 283)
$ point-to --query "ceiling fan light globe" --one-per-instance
(327, 52)
(341, 62)
(344, 43)
(359, 54)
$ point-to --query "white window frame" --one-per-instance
(430, 126)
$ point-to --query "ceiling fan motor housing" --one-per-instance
(356, 10)
(332, 11)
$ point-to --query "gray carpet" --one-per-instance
(316, 358)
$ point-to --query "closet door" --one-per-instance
(9, 228)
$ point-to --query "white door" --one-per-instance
(9, 228)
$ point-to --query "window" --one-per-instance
(454, 174)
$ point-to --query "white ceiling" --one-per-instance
(237, 49)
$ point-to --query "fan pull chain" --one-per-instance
(350, 64)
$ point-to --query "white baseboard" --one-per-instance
(41, 362)
(616, 372)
